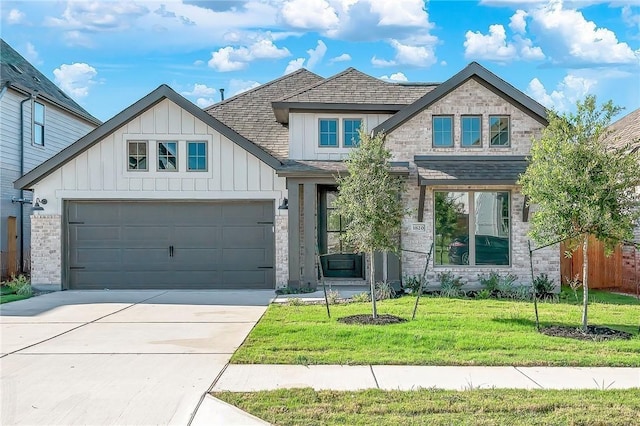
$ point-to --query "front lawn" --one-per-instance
(7, 295)
(445, 332)
(439, 407)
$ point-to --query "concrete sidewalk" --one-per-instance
(250, 378)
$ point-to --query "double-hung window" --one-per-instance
(350, 132)
(167, 156)
(328, 136)
(471, 131)
(472, 228)
(197, 156)
(442, 131)
(38, 124)
(499, 130)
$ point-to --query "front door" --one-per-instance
(338, 259)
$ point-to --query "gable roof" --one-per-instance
(153, 98)
(484, 77)
(351, 90)
(17, 72)
(250, 114)
(626, 131)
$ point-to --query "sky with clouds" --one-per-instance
(108, 54)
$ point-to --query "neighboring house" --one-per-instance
(240, 195)
(37, 120)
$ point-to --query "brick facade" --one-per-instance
(282, 249)
(46, 250)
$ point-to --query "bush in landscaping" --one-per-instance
(20, 285)
(384, 291)
(361, 297)
(450, 285)
(545, 286)
(499, 286)
(413, 283)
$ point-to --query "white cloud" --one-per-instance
(201, 90)
(316, 55)
(394, 77)
(345, 57)
(238, 86)
(570, 90)
(527, 50)
(198, 63)
(75, 79)
(31, 54)
(377, 62)
(205, 102)
(492, 46)
(309, 14)
(629, 18)
(419, 55)
(517, 23)
(400, 12)
(97, 16)
(294, 65)
(237, 58)
(570, 39)
(15, 16)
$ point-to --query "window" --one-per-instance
(499, 130)
(38, 124)
(138, 155)
(350, 131)
(197, 156)
(471, 131)
(442, 131)
(167, 156)
(335, 226)
(472, 228)
(328, 132)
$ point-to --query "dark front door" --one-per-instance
(338, 260)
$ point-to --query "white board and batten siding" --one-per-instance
(304, 135)
(101, 171)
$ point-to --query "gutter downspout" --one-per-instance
(31, 97)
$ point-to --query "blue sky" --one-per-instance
(108, 54)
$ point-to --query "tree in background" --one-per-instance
(447, 210)
(369, 200)
(580, 185)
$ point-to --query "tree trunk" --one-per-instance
(372, 279)
(585, 283)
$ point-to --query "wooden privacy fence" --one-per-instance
(618, 271)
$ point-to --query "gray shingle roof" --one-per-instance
(463, 170)
(354, 87)
(17, 71)
(250, 113)
(327, 168)
(626, 131)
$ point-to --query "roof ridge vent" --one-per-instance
(16, 68)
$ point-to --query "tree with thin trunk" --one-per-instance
(581, 185)
(369, 199)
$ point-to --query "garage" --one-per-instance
(169, 244)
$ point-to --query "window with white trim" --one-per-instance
(197, 156)
(167, 156)
(38, 124)
(328, 132)
(138, 155)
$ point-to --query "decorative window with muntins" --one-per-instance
(168, 156)
(499, 130)
(350, 130)
(197, 156)
(38, 124)
(442, 131)
(471, 131)
(328, 135)
(138, 159)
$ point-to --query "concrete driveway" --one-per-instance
(118, 357)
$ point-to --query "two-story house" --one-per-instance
(166, 195)
(37, 120)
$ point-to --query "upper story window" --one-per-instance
(499, 130)
(167, 156)
(197, 156)
(138, 157)
(442, 131)
(38, 124)
(471, 131)
(350, 131)
(328, 132)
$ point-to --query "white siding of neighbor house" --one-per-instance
(101, 171)
(303, 134)
(61, 130)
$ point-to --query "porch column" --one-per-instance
(294, 232)
(310, 194)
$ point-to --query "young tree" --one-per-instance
(580, 185)
(369, 200)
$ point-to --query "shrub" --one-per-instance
(483, 294)
(384, 290)
(333, 297)
(500, 286)
(20, 285)
(361, 297)
(295, 301)
(450, 285)
(413, 283)
(574, 283)
(522, 293)
(544, 286)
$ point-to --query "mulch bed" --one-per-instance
(367, 319)
(593, 333)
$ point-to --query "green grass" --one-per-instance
(8, 295)
(438, 407)
(445, 332)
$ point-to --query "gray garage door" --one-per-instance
(169, 245)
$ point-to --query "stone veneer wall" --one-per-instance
(46, 249)
(282, 249)
(546, 260)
